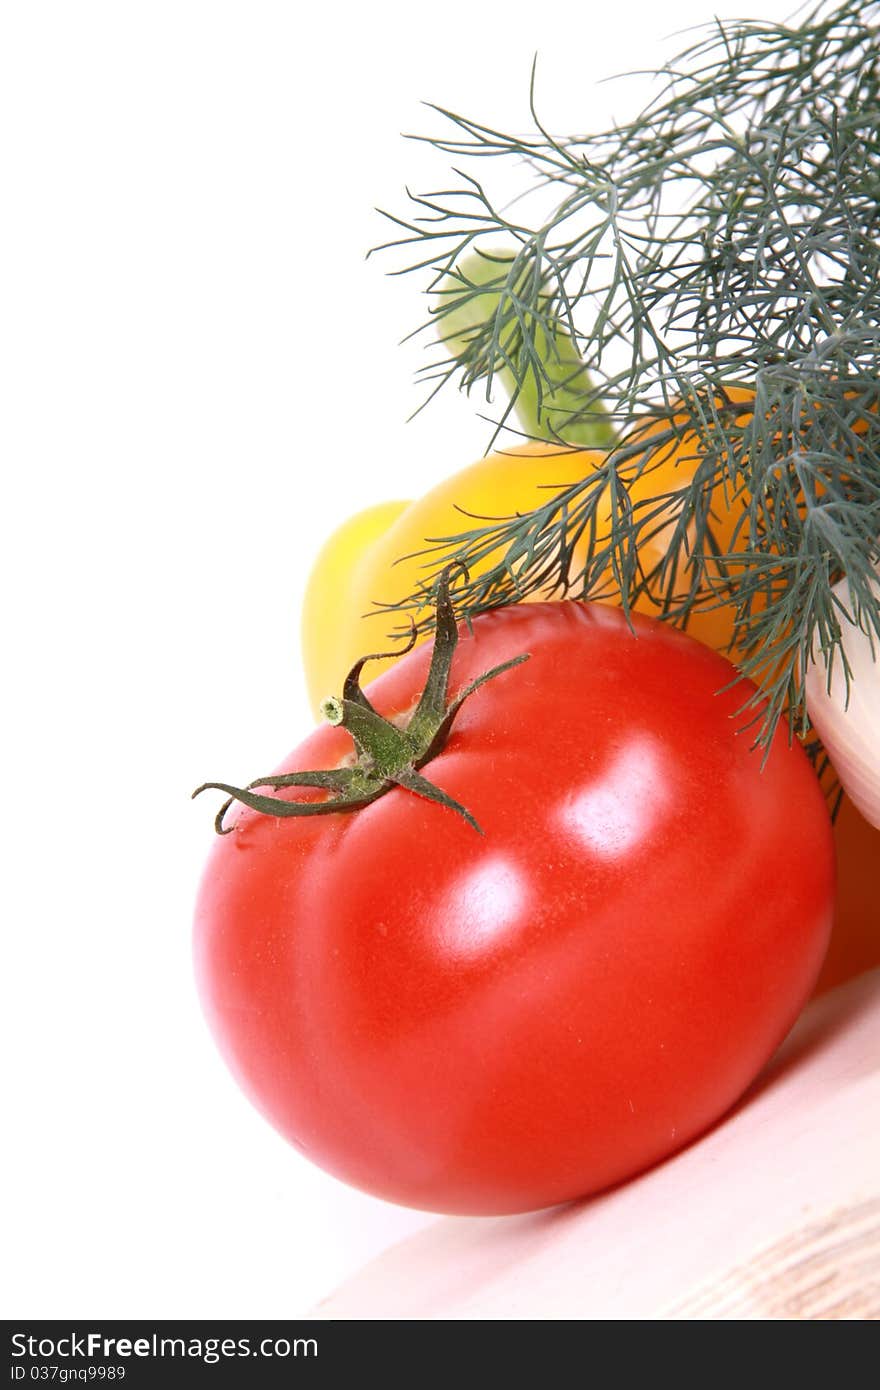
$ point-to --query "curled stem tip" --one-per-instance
(331, 709)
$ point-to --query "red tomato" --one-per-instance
(499, 1022)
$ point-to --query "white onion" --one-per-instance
(851, 732)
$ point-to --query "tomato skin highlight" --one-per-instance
(492, 1024)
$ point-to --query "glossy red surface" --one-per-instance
(496, 1023)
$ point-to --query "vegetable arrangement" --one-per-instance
(691, 322)
(382, 551)
(531, 911)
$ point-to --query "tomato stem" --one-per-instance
(388, 756)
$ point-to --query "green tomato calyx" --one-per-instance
(388, 754)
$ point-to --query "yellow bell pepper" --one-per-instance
(372, 560)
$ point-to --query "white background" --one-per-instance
(200, 378)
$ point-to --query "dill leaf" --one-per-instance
(715, 263)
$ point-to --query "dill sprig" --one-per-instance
(715, 262)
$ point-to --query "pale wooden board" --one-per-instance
(774, 1214)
